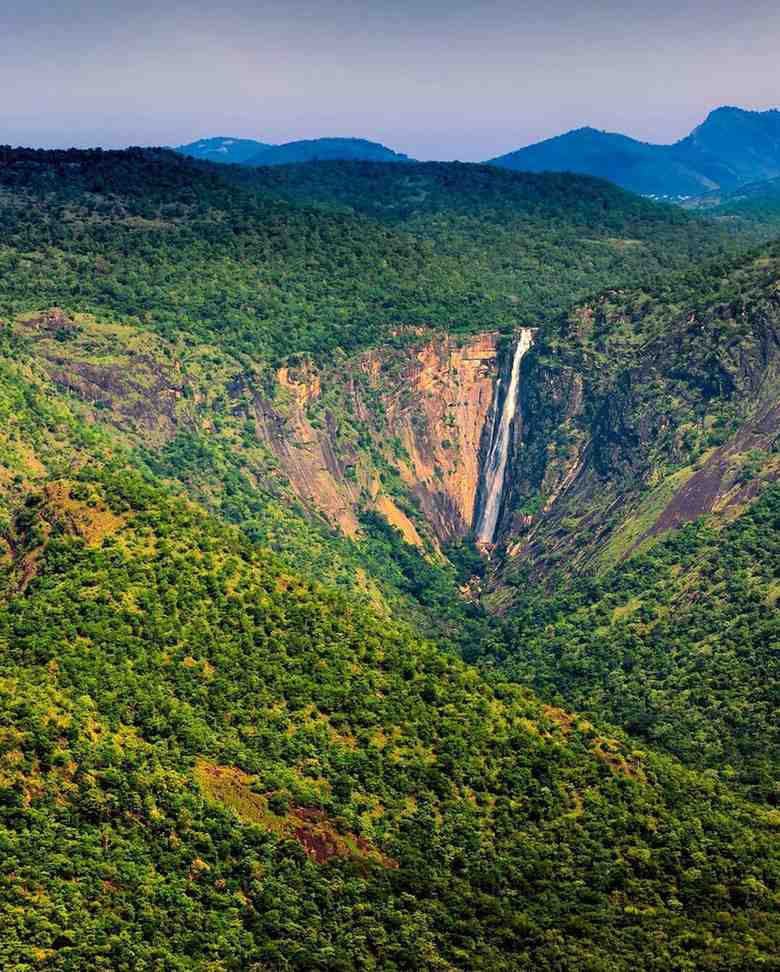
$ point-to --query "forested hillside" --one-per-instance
(153, 238)
(75, 393)
(210, 762)
(758, 202)
(679, 646)
(264, 705)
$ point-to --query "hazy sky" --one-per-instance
(433, 78)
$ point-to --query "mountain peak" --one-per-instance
(731, 147)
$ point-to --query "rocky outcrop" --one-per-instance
(625, 440)
(401, 434)
(396, 430)
(438, 411)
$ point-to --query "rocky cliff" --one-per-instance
(633, 418)
(635, 425)
(396, 430)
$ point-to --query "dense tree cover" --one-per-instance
(149, 655)
(622, 321)
(758, 202)
(377, 566)
(154, 238)
(679, 646)
(211, 760)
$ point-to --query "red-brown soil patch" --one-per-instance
(311, 827)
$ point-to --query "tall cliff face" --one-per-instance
(624, 428)
(439, 410)
(397, 430)
(632, 429)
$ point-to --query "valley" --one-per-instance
(389, 570)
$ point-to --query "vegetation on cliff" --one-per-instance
(645, 410)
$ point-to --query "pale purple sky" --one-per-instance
(433, 78)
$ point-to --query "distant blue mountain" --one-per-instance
(730, 148)
(246, 151)
(327, 149)
(223, 149)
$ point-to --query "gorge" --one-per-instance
(423, 433)
(377, 590)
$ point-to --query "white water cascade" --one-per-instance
(498, 453)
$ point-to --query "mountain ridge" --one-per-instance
(730, 147)
(327, 149)
(249, 152)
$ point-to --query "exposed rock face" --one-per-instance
(439, 411)
(721, 484)
(395, 430)
(621, 447)
(425, 409)
(309, 457)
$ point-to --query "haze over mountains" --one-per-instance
(731, 148)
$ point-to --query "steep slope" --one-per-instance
(678, 646)
(217, 287)
(323, 149)
(223, 149)
(638, 166)
(735, 145)
(74, 392)
(644, 413)
(730, 148)
(402, 434)
(225, 750)
(203, 755)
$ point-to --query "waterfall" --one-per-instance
(498, 454)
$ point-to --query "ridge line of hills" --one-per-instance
(249, 152)
(732, 147)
